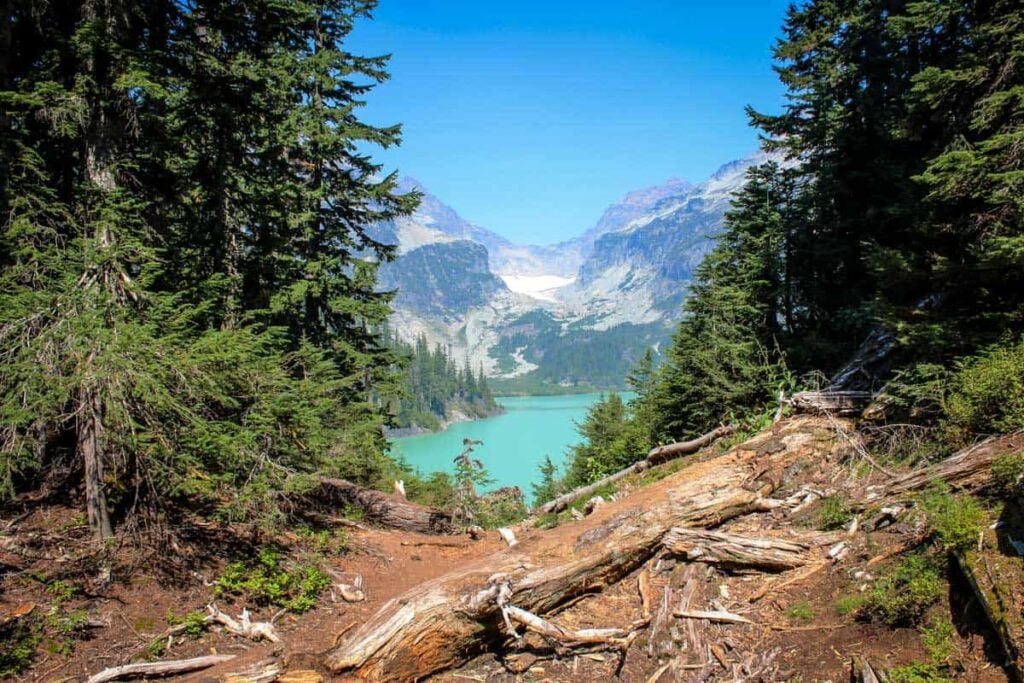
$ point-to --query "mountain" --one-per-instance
(578, 313)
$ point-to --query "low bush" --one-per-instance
(849, 604)
(267, 582)
(833, 513)
(902, 596)
(956, 521)
(918, 673)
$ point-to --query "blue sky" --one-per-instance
(530, 117)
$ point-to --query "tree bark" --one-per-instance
(90, 428)
(385, 509)
(969, 469)
(734, 552)
(834, 402)
(442, 623)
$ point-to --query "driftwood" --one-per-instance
(656, 456)
(729, 550)
(243, 626)
(385, 509)
(168, 668)
(441, 623)
(832, 402)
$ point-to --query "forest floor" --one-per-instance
(804, 614)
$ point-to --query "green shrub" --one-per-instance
(939, 639)
(801, 611)
(918, 673)
(833, 513)
(19, 639)
(956, 520)
(849, 604)
(987, 392)
(194, 623)
(266, 582)
(1007, 471)
(902, 596)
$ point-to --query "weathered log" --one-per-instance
(168, 668)
(996, 598)
(718, 616)
(443, 622)
(656, 456)
(833, 402)
(385, 509)
(660, 454)
(732, 551)
(969, 469)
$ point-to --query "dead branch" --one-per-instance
(717, 616)
(730, 550)
(168, 668)
(243, 626)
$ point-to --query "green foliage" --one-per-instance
(19, 639)
(550, 486)
(193, 624)
(956, 521)
(435, 387)
(188, 295)
(849, 604)
(1007, 471)
(987, 392)
(266, 581)
(800, 611)
(918, 673)
(470, 474)
(939, 638)
(833, 513)
(903, 595)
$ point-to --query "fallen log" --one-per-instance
(442, 623)
(385, 509)
(168, 668)
(996, 597)
(656, 456)
(717, 616)
(969, 469)
(732, 551)
(660, 454)
(832, 402)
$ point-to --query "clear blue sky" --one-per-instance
(530, 117)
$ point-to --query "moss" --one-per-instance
(801, 611)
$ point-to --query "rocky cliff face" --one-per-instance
(578, 312)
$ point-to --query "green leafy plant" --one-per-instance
(833, 513)
(1007, 472)
(19, 639)
(902, 596)
(918, 673)
(267, 582)
(956, 520)
(801, 611)
(849, 604)
(939, 639)
(194, 623)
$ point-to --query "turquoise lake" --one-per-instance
(514, 443)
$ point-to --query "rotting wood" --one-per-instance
(717, 616)
(733, 551)
(832, 402)
(385, 509)
(168, 668)
(999, 606)
(439, 624)
(656, 456)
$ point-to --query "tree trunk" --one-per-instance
(90, 429)
(385, 509)
(969, 469)
(442, 623)
(834, 402)
(734, 552)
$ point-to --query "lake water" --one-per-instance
(514, 443)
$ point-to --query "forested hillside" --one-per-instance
(184, 323)
(900, 217)
(436, 389)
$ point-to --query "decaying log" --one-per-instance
(969, 469)
(833, 402)
(863, 671)
(732, 551)
(656, 456)
(441, 623)
(1000, 606)
(168, 668)
(603, 636)
(660, 454)
(385, 509)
